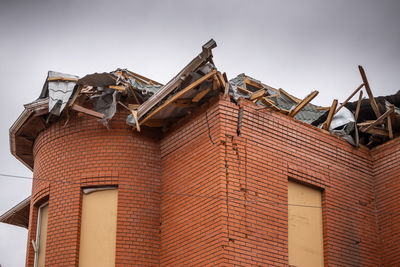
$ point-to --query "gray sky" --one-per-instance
(296, 45)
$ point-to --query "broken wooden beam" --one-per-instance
(178, 94)
(358, 107)
(252, 83)
(256, 95)
(118, 88)
(293, 98)
(352, 94)
(328, 121)
(269, 103)
(243, 90)
(303, 103)
(200, 95)
(379, 120)
(369, 92)
(75, 95)
(184, 103)
(87, 111)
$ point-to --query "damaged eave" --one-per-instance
(18, 215)
(34, 109)
(148, 107)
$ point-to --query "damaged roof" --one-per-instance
(152, 104)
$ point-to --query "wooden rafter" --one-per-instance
(328, 121)
(358, 106)
(256, 95)
(87, 111)
(303, 103)
(200, 95)
(252, 83)
(177, 95)
(293, 98)
(369, 92)
(352, 94)
(380, 120)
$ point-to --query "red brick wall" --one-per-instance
(386, 160)
(205, 195)
(272, 148)
(247, 223)
(83, 154)
(192, 210)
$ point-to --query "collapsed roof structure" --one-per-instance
(368, 122)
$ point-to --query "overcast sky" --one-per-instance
(299, 46)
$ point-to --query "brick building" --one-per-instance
(202, 172)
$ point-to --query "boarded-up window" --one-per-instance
(41, 235)
(98, 228)
(305, 226)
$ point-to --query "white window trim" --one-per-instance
(38, 224)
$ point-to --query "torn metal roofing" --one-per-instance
(152, 104)
(308, 114)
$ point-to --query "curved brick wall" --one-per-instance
(84, 153)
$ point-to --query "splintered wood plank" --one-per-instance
(256, 95)
(134, 114)
(293, 98)
(221, 79)
(216, 83)
(252, 83)
(328, 121)
(177, 95)
(64, 79)
(379, 120)
(200, 95)
(352, 94)
(358, 106)
(243, 91)
(303, 103)
(118, 88)
(369, 92)
(270, 103)
(323, 108)
(77, 92)
(87, 111)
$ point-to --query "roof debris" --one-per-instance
(152, 104)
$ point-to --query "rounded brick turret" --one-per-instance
(80, 152)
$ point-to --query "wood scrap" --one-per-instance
(200, 95)
(118, 88)
(303, 103)
(369, 92)
(243, 90)
(328, 121)
(258, 94)
(178, 94)
(221, 79)
(87, 111)
(293, 98)
(358, 106)
(269, 103)
(379, 120)
(252, 83)
(75, 95)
